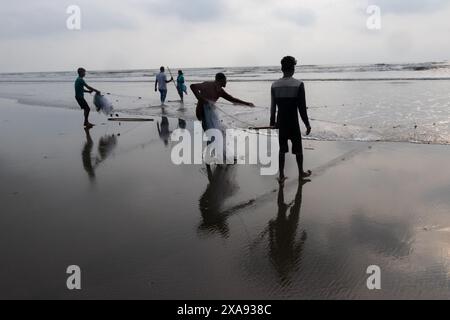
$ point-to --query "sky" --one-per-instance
(145, 34)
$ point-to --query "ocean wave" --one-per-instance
(239, 79)
(261, 73)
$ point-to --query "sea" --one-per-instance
(404, 102)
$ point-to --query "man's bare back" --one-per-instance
(210, 91)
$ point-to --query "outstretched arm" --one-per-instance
(232, 99)
(302, 108)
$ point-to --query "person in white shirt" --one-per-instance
(161, 84)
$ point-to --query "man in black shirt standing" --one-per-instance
(288, 94)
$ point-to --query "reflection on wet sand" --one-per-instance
(284, 248)
(222, 185)
(285, 245)
(388, 238)
(106, 146)
(86, 156)
(164, 130)
(181, 124)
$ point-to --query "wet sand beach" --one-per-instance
(112, 202)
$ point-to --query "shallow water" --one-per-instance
(415, 111)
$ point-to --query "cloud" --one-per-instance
(410, 6)
(25, 18)
(192, 10)
(301, 16)
(125, 34)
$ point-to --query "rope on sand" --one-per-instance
(131, 119)
(234, 104)
(122, 95)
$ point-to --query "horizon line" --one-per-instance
(224, 67)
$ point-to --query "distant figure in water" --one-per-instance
(80, 86)
(288, 94)
(181, 85)
(161, 84)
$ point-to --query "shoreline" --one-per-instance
(123, 113)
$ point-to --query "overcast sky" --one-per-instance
(131, 34)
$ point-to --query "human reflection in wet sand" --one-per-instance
(181, 124)
(106, 146)
(86, 155)
(164, 131)
(284, 248)
(221, 186)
